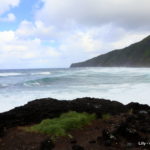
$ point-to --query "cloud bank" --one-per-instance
(125, 13)
(66, 31)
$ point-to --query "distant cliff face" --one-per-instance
(136, 55)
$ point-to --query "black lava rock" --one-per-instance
(130, 145)
(109, 138)
(108, 143)
(47, 145)
(2, 132)
(92, 142)
(73, 141)
(106, 134)
(37, 110)
(129, 133)
(77, 147)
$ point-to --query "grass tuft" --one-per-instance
(106, 116)
(62, 125)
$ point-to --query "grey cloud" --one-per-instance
(125, 13)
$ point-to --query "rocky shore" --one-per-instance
(128, 127)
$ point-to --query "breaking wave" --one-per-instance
(10, 74)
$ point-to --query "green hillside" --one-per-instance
(135, 55)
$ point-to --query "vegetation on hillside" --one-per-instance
(135, 55)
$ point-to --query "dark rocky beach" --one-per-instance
(127, 128)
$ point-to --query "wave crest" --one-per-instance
(10, 74)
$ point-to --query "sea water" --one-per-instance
(17, 87)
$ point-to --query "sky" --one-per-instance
(56, 33)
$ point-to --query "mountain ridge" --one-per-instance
(134, 55)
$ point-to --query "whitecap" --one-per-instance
(10, 74)
(41, 73)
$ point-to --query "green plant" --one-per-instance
(106, 116)
(62, 125)
(130, 111)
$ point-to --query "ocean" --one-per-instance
(17, 87)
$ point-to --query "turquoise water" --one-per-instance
(17, 87)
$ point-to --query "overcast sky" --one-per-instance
(56, 33)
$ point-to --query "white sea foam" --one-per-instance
(10, 74)
(2, 85)
(41, 73)
(121, 84)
